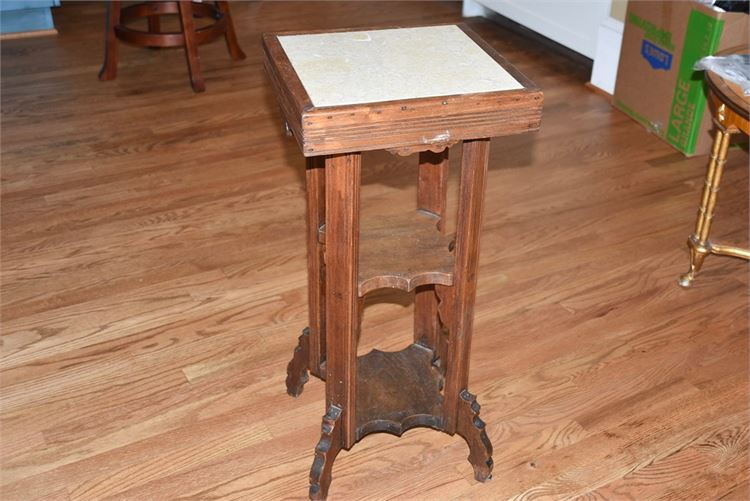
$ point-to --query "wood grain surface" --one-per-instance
(402, 252)
(344, 307)
(154, 283)
(398, 391)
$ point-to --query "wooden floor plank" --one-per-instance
(153, 287)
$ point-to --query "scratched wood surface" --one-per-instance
(153, 288)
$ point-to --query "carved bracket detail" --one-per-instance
(435, 147)
(296, 371)
(444, 295)
(472, 429)
(325, 452)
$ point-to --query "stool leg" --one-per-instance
(311, 349)
(343, 311)
(109, 68)
(191, 45)
(471, 197)
(432, 187)
(460, 410)
(342, 299)
(154, 24)
(230, 36)
(316, 292)
(698, 241)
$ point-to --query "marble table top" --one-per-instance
(354, 67)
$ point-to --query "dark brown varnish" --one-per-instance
(426, 384)
(154, 284)
(189, 37)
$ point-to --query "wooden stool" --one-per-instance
(188, 37)
(730, 108)
(405, 90)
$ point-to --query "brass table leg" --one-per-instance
(698, 242)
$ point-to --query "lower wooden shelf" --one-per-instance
(402, 252)
(398, 391)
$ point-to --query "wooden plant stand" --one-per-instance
(342, 93)
(188, 37)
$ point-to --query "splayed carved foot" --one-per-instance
(296, 371)
(472, 429)
(325, 452)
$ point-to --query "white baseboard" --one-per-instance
(607, 57)
(472, 8)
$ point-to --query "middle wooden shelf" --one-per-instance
(402, 252)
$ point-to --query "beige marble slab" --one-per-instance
(384, 65)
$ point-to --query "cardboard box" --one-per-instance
(656, 84)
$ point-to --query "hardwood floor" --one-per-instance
(153, 288)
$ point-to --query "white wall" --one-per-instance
(572, 23)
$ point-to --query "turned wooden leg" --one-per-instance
(230, 36)
(472, 429)
(109, 68)
(154, 24)
(325, 452)
(698, 242)
(191, 45)
(474, 160)
(432, 188)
